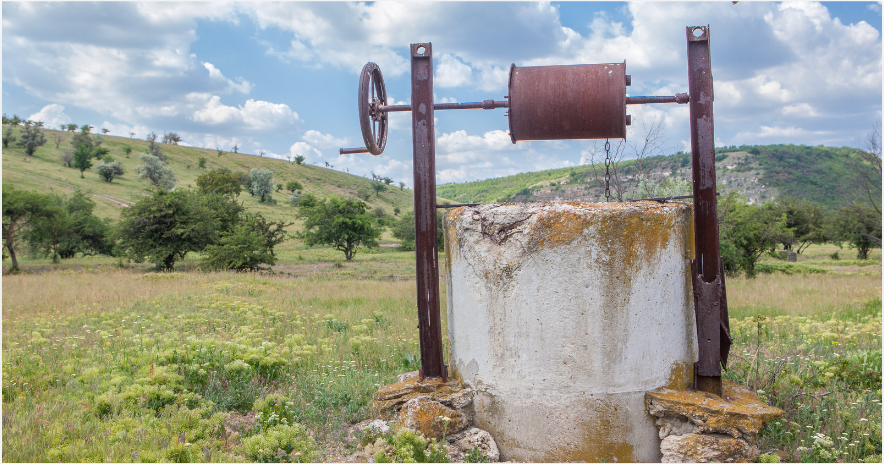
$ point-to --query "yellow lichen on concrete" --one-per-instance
(604, 438)
(739, 412)
(681, 374)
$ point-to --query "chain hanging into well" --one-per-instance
(607, 170)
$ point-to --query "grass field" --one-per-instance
(103, 363)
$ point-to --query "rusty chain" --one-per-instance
(607, 170)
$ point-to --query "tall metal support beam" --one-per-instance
(710, 301)
(424, 137)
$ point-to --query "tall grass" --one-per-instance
(102, 363)
(118, 364)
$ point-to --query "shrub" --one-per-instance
(109, 170)
(408, 445)
(281, 443)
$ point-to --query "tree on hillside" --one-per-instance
(299, 159)
(82, 159)
(83, 138)
(8, 137)
(747, 232)
(109, 170)
(20, 210)
(57, 137)
(293, 186)
(73, 229)
(339, 222)
(165, 226)
(86, 129)
(156, 171)
(224, 183)
(401, 185)
(403, 229)
(261, 183)
(805, 220)
(151, 139)
(105, 131)
(72, 127)
(67, 157)
(378, 188)
(236, 148)
(242, 249)
(171, 138)
(858, 225)
(30, 138)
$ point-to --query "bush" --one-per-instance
(109, 170)
(242, 249)
(281, 443)
(408, 445)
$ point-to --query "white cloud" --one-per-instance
(52, 116)
(252, 116)
(316, 138)
(306, 150)
(460, 141)
(451, 72)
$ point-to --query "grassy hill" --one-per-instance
(820, 174)
(45, 172)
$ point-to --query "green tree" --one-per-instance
(151, 140)
(72, 127)
(201, 162)
(293, 186)
(403, 230)
(30, 138)
(109, 170)
(83, 138)
(261, 184)
(805, 220)
(20, 210)
(224, 183)
(242, 249)
(747, 232)
(156, 171)
(73, 229)
(82, 159)
(339, 222)
(859, 226)
(165, 226)
(378, 188)
(273, 233)
(300, 159)
(8, 137)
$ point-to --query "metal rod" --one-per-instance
(681, 98)
(426, 253)
(350, 151)
(457, 206)
(710, 320)
(486, 105)
(661, 199)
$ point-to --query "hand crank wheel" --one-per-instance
(373, 97)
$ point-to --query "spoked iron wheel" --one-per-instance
(372, 117)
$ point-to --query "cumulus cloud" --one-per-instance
(252, 116)
(318, 139)
(52, 116)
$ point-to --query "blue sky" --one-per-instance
(282, 77)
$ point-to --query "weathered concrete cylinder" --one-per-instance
(562, 315)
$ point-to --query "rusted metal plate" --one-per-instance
(585, 101)
(711, 302)
(426, 253)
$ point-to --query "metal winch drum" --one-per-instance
(586, 101)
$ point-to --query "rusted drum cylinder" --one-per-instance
(586, 101)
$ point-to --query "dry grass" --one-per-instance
(800, 294)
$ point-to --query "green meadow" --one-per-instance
(108, 361)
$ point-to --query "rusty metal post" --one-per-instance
(709, 294)
(424, 138)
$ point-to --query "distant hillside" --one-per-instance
(820, 174)
(45, 172)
